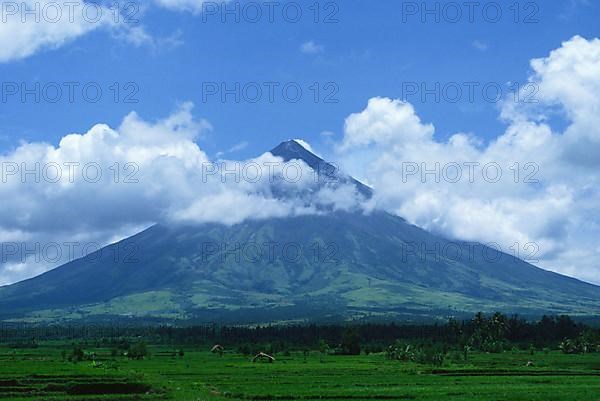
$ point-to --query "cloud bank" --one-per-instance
(533, 189)
(109, 183)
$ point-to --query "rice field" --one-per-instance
(43, 373)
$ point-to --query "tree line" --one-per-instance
(488, 333)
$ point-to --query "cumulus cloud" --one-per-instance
(383, 122)
(88, 188)
(534, 188)
(109, 183)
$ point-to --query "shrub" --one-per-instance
(138, 351)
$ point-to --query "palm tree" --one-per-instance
(323, 349)
(466, 350)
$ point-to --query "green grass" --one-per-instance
(41, 374)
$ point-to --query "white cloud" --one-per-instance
(555, 201)
(194, 6)
(53, 24)
(480, 45)
(305, 145)
(383, 122)
(238, 146)
(311, 47)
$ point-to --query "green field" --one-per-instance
(43, 374)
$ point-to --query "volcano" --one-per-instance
(329, 266)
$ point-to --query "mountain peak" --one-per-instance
(296, 149)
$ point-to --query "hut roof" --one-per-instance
(217, 348)
(262, 355)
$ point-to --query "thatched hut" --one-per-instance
(261, 356)
(218, 349)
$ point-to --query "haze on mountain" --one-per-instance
(335, 264)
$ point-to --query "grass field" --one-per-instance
(42, 374)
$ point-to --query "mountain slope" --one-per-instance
(336, 265)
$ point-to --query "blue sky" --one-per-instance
(369, 73)
(369, 52)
